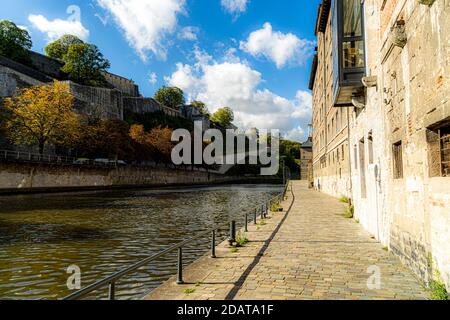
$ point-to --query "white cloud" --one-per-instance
(55, 29)
(235, 6)
(235, 84)
(188, 33)
(153, 78)
(145, 23)
(22, 27)
(281, 48)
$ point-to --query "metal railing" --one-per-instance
(27, 157)
(260, 210)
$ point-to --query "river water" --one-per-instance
(103, 232)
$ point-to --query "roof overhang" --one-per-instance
(312, 77)
(322, 16)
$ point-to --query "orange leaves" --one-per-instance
(157, 139)
(41, 115)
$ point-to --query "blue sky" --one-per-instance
(251, 55)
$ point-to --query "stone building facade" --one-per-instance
(306, 157)
(330, 125)
(399, 131)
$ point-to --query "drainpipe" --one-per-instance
(349, 153)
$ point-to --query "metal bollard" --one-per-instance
(232, 238)
(213, 244)
(255, 215)
(180, 266)
(246, 223)
(112, 291)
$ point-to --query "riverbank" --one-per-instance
(309, 251)
(45, 178)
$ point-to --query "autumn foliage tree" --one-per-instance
(157, 141)
(105, 138)
(41, 115)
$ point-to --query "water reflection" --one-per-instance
(40, 236)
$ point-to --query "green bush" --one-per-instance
(344, 199)
(438, 290)
(241, 240)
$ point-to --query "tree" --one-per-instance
(57, 49)
(84, 64)
(201, 107)
(41, 115)
(106, 138)
(223, 117)
(157, 141)
(14, 42)
(171, 97)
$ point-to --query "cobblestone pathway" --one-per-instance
(310, 253)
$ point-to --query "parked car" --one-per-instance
(102, 161)
(81, 161)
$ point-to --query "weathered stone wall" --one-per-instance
(24, 177)
(48, 66)
(98, 102)
(410, 212)
(27, 75)
(417, 97)
(145, 105)
(124, 85)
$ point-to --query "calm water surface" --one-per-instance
(102, 232)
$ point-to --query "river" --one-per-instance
(105, 231)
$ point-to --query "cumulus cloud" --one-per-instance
(153, 78)
(281, 48)
(235, 84)
(55, 29)
(235, 7)
(145, 23)
(188, 33)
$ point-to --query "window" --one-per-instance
(445, 151)
(398, 160)
(343, 153)
(352, 18)
(353, 54)
(355, 149)
(332, 128)
(337, 122)
(349, 44)
(439, 151)
(370, 145)
(352, 33)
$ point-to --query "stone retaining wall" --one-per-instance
(22, 178)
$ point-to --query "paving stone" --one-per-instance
(315, 254)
